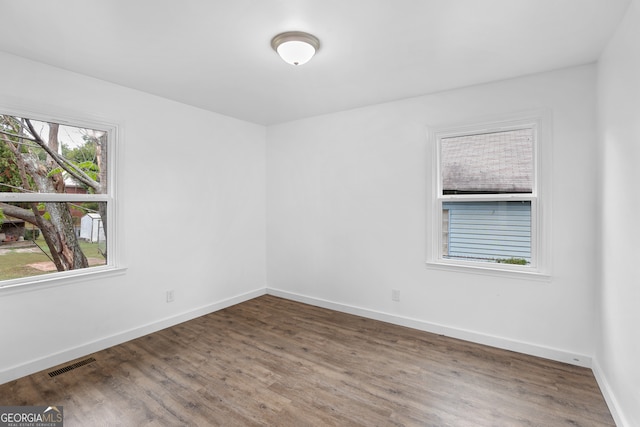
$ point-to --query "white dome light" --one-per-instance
(295, 47)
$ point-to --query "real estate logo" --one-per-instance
(31, 416)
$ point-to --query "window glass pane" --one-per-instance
(489, 163)
(492, 231)
(30, 243)
(66, 229)
(39, 157)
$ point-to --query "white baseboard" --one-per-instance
(467, 335)
(609, 396)
(64, 356)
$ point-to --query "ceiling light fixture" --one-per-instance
(295, 47)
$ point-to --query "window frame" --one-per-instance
(114, 265)
(539, 122)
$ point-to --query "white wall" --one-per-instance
(618, 346)
(181, 168)
(347, 202)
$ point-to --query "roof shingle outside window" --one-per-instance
(490, 163)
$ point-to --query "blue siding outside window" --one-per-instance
(488, 231)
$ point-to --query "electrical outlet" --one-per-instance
(170, 296)
(395, 295)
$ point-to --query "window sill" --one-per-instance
(59, 279)
(489, 270)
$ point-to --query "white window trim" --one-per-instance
(115, 262)
(540, 268)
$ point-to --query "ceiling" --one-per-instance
(216, 54)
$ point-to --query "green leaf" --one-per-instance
(54, 172)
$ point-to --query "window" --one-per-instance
(487, 197)
(56, 199)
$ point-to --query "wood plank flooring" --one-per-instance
(273, 362)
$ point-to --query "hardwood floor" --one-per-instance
(273, 362)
